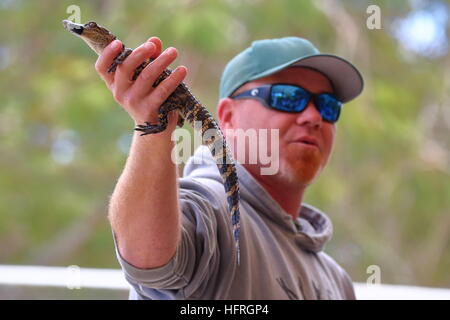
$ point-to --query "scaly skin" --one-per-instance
(188, 107)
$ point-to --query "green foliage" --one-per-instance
(386, 187)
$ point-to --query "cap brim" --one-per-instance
(346, 79)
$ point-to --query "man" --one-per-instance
(175, 242)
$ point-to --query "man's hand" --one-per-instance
(144, 208)
(139, 98)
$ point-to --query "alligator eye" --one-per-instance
(92, 24)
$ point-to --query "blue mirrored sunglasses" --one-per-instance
(291, 98)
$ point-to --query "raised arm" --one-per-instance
(144, 207)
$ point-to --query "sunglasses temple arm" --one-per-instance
(260, 93)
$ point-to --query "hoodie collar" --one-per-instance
(312, 229)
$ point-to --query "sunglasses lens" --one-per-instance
(288, 98)
(329, 107)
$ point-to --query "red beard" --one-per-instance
(304, 163)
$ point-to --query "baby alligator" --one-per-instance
(188, 108)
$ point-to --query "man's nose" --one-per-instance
(310, 116)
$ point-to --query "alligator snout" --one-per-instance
(75, 28)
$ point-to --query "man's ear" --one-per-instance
(225, 113)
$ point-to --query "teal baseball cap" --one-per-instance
(265, 57)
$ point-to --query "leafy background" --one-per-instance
(64, 141)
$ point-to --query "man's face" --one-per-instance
(300, 163)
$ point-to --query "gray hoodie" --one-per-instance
(280, 258)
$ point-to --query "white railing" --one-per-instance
(74, 277)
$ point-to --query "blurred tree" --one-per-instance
(64, 139)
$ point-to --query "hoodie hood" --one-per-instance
(312, 229)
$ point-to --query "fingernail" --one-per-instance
(179, 68)
(148, 46)
(115, 44)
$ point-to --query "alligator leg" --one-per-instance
(149, 128)
(120, 58)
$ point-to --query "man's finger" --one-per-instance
(125, 71)
(151, 73)
(158, 44)
(167, 87)
(106, 59)
(144, 83)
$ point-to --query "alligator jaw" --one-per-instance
(75, 28)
